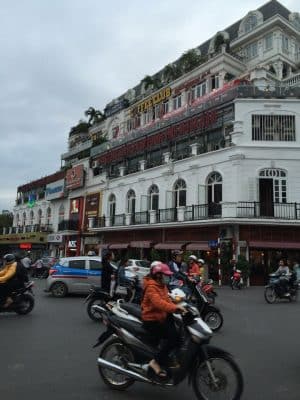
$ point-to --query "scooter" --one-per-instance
(124, 358)
(129, 292)
(276, 289)
(208, 289)
(23, 300)
(237, 280)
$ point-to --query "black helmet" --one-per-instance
(9, 258)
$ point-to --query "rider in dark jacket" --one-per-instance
(107, 272)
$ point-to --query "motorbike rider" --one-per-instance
(6, 275)
(176, 264)
(284, 272)
(157, 308)
(193, 267)
(201, 263)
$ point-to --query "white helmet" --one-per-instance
(201, 261)
(154, 263)
(192, 257)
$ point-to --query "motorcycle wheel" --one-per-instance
(228, 383)
(294, 296)
(116, 352)
(94, 315)
(25, 304)
(270, 295)
(213, 318)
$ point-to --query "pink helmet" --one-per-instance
(158, 267)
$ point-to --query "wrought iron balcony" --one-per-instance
(167, 215)
(140, 218)
(248, 209)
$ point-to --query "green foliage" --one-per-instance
(243, 265)
(171, 72)
(151, 82)
(155, 255)
(189, 60)
(95, 116)
(81, 127)
(6, 220)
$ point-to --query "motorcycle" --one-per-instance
(196, 295)
(130, 292)
(124, 358)
(208, 289)
(237, 280)
(23, 300)
(276, 289)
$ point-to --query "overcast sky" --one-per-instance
(58, 57)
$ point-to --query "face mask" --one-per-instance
(166, 279)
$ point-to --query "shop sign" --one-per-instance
(75, 177)
(151, 101)
(72, 244)
(55, 238)
(55, 190)
(25, 246)
(92, 207)
(212, 244)
(23, 237)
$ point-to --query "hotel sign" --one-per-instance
(55, 190)
(151, 101)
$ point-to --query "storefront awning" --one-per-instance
(144, 244)
(198, 246)
(169, 246)
(118, 246)
(273, 245)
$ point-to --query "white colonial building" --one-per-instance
(203, 153)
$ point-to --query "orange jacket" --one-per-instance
(194, 269)
(156, 304)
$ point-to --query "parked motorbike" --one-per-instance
(196, 295)
(124, 358)
(237, 280)
(23, 300)
(208, 289)
(130, 292)
(276, 288)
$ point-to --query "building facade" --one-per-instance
(202, 155)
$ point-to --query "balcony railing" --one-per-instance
(167, 215)
(140, 218)
(268, 210)
(68, 225)
(196, 212)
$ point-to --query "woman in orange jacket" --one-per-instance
(6, 274)
(156, 309)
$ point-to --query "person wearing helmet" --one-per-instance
(176, 264)
(6, 274)
(193, 267)
(157, 308)
(201, 263)
(108, 273)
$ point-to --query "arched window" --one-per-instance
(250, 23)
(112, 205)
(131, 202)
(214, 194)
(40, 215)
(153, 198)
(31, 217)
(180, 193)
(61, 213)
(214, 184)
(24, 219)
(48, 216)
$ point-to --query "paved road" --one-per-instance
(48, 355)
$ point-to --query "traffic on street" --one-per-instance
(49, 352)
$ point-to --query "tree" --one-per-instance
(151, 82)
(6, 220)
(190, 60)
(171, 72)
(95, 116)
